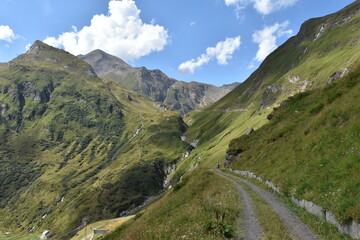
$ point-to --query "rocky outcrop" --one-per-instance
(336, 75)
(230, 157)
(160, 106)
(28, 89)
(3, 108)
(249, 131)
(320, 31)
(270, 95)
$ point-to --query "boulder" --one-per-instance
(249, 131)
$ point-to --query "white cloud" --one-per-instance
(192, 23)
(267, 37)
(27, 47)
(7, 34)
(251, 66)
(121, 33)
(223, 52)
(264, 7)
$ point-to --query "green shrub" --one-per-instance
(218, 226)
(317, 108)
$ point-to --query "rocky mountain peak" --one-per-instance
(104, 63)
(40, 47)
(41, 52)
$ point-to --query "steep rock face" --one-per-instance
(155, 85)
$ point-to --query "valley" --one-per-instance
(89, 142)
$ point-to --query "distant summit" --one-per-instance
(40, 47)
(104, 63)
(155, 85)
(41, 52)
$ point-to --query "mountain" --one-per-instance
(302, 104)
(324, 50)
(293, 123)
(155, 85)
(76, 148)
(302, 143)
(309, 149)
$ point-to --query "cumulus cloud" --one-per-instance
(264, 7)
(222, 52)
(267, 37)
(121, 33)
(7, 34)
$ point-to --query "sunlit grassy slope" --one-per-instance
(310, 148)
(109, 225)
(74, 147)
(183, 211)
(323, 48)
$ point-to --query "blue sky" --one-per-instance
(211, 41)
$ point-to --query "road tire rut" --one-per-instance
(253, 230)
(296, 228)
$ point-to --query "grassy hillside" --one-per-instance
(310, 148)
(74, 147)
(324, 49)
(185, 210)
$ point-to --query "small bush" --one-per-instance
(218, 227)
(179, 185)
(317, 108)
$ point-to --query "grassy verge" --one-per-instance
(270, 222)
(323, 229)
(185, 210)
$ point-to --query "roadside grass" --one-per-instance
(324, 229)
(270, 222)
(183, 211)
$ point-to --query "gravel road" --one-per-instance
(253, 230)
(297, 229)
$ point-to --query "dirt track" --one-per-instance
(296, 228)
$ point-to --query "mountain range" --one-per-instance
(155, 85)
(89, 138)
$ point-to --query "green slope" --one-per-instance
(183, 212)
(303, 62)
(75, 147)
(310, 148)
